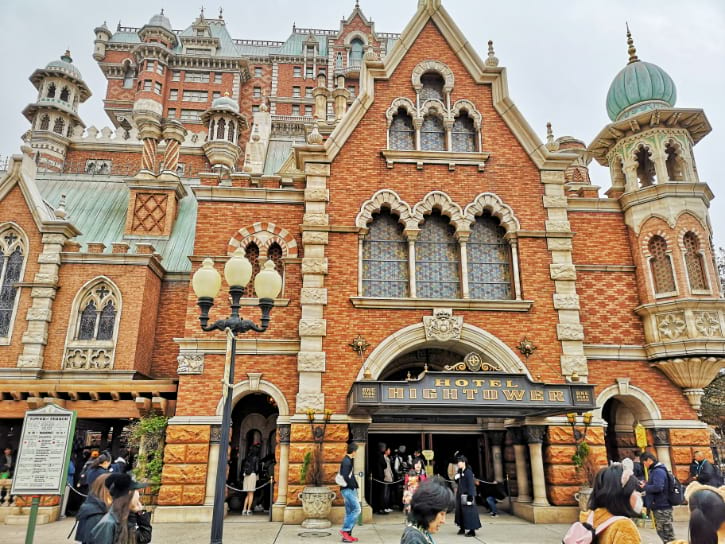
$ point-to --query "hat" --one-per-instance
(696, 486)
(119, 484)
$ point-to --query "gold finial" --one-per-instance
(631, 49)
(226, 93)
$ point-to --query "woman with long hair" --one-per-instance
(428, 507)
(414, 477)
(707, 514)
(126, 522)
(93, 509)
(615, 493)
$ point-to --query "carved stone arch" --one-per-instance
(643, 407)
(645, 239)
(413, 337)
(433, 107)
(400, 102)
(244, 388)
(385, 198)
(701, 234)
(264, 234)
(649, 146)
(492, 203)
(359, 35)
(433, 66)
(473, 113)
(441, 201)
(21, 240)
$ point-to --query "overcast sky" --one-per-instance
(560, 55)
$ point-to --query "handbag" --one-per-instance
(340, 480)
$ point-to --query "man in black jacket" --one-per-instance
(704, 471)
(349, 494)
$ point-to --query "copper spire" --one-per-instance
(631, 49)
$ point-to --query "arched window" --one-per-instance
(464, 134)
(645, 167)
(232, 126)
(489, 260)
(338, 61)
(437, 262)
(356, 52)
(274, 253)
(220, 128)
(675, 164)
(51, 91)
(44, 122)
(252, 254)
(58, 125)
(433, 84)
(402, 132)
(694, 262)
(385, 258)
(432, 134)
(11, 268)
(661, 266)
(617, 172)
(97, 319)
(64, 94)
(128, 77)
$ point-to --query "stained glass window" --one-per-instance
(464, 134)
(385, 258)
(252, 254)
(10, 268)
(98, 314)
(694, 262)
(402, 132)
(87, 326)
(432, 86)
(489, 261)
(106, 321)
(664, 279)
(432, 134)
(437, 269)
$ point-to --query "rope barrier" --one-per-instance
(247, 491)
(386, 483)
(76, 491)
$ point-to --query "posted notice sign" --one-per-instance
(45, 448)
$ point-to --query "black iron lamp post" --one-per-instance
(206, 283)
(579, 436)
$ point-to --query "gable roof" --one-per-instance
(432, 10)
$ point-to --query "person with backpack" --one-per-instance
(657, 497)
(126, 521)
(250, 469)
(614, 500)
(93, 509)
(704, 472)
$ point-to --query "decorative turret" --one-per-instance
(648, 148)
(54, 115)
(103, 34)
(159, 28)
(225, 123)
(321, 94)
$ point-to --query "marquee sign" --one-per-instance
(471, 393)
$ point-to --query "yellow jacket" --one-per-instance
(623, 531)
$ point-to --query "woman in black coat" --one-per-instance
(93, 509)
(466, 509)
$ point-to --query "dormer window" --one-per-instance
(356, 52)
(432, 86)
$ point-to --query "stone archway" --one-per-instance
(414, 337)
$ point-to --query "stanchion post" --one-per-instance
(361, 475)
(30, 534)
(271, 495)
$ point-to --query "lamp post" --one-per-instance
(579, 436)
(206, 283)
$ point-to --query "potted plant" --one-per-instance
(587, 470)
(147, 436)
(316, 497)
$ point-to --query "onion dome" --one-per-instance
(639, 86)
(160, 20)
(65, 65)
(225, 103)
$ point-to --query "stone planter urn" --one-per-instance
(316, 504)
(583, 497)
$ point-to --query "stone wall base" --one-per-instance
(19, 515)
(545, 514)
(182, 514)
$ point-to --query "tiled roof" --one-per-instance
(277, 153)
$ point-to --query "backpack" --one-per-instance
(585, 533)
(675, 490)
(250, 465)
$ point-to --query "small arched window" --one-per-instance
(432, 134)
(220, 128)
(338, 61)
(232, 126)
(97, 319)
(51, 91)
(489, 260)
(437, 261)
(64, 94)
(11, 268)
(58, 125)
(128, 77)
(645, 167)
(252, 254)
(385, 258)
(464, 134)
(675, 164)
(274, 253)
(356, 52)
(661, 266)
(44, 122)
(694, 262)
(433, 84)
(402, 132)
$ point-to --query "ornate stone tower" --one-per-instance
(648, 148)
(103, 34)
(54, 115)
(225, 123)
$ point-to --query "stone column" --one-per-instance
(662, 445)
(214, 438)
(535, 437)
(284, 441)
(411, 236)
(496, 438)
(149, 132)
(174, 134)
(359, 433)
(463, 237)
(522, 475)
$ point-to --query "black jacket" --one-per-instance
(89, 514)
(348, 472)
(705, 473)
(466, 515)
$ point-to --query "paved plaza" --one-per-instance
(385, 530)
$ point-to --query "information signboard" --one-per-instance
(45, 448)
